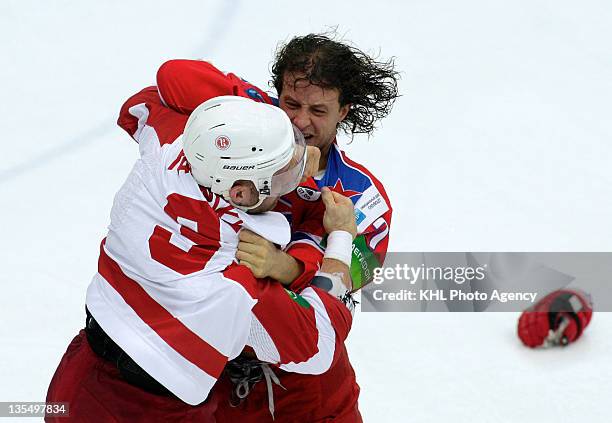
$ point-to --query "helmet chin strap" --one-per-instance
(227, 197)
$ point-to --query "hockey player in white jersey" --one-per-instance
(169, 305)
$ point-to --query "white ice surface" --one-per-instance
(501, 141)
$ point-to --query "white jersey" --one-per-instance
(169, 293)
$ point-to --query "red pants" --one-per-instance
(96, 393)
(330, 397)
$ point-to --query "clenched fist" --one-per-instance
(265, 259)
(313, 156)
(339, 212)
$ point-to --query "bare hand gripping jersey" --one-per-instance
(168, 290)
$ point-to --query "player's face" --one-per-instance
(316, 111)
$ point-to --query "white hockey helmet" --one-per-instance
(232, 138)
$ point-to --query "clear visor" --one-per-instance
(289, 176)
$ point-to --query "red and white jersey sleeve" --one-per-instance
(185, 84)
(167, 289)
(144, 111)
(320, 321)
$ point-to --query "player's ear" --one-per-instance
(243, 193)
(344, 111)
(238, 194)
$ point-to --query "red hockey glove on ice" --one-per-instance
(557, 319)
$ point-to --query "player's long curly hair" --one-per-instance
(369, 86)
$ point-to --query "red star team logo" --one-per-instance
(339, 188)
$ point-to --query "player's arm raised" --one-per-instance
(185, 84)
(144, 117)
(339, 223)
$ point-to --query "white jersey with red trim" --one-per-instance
(168, 291)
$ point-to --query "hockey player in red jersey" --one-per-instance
(169, 306)
(323, 85)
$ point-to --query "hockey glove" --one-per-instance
(557, 319)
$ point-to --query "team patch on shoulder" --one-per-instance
(308, 194)
(370, 207)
